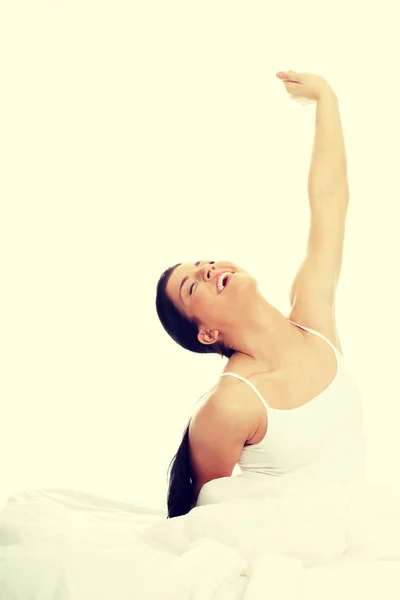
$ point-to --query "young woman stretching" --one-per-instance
(285, 404)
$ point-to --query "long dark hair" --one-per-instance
(182, 483)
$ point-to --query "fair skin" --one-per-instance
(242, 319)
(265, 342)
(239, 316)
(291, 366)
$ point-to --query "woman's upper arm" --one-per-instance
(217, 436)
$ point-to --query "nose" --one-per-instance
(207, 271)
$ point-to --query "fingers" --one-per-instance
(287, 75)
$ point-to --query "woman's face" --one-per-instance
(195, 290)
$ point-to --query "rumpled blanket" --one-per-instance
(276, 537)
(285, 542)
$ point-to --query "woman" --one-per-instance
(285, 404)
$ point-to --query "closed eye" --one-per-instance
(212, 262)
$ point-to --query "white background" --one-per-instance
(138, 135)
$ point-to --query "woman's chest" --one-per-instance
(293, 386)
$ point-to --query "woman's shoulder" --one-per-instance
(222, 406)
(223, 391)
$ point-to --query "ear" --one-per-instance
(207, 336)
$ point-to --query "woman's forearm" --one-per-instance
(328, 170)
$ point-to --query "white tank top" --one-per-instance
(323, 439)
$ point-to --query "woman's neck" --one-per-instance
(267, 337)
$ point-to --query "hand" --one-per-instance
(305, 88)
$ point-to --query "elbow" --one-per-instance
(335, 202)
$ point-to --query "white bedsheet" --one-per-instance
(275, 543)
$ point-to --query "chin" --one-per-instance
(242, 288)
(244, 279)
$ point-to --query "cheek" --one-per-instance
(204, 304)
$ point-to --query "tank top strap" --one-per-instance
(319, 335)
(250, 384)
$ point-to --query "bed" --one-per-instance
(279, 544)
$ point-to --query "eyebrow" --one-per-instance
(184, 280)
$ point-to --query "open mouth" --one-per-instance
(223, 280)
